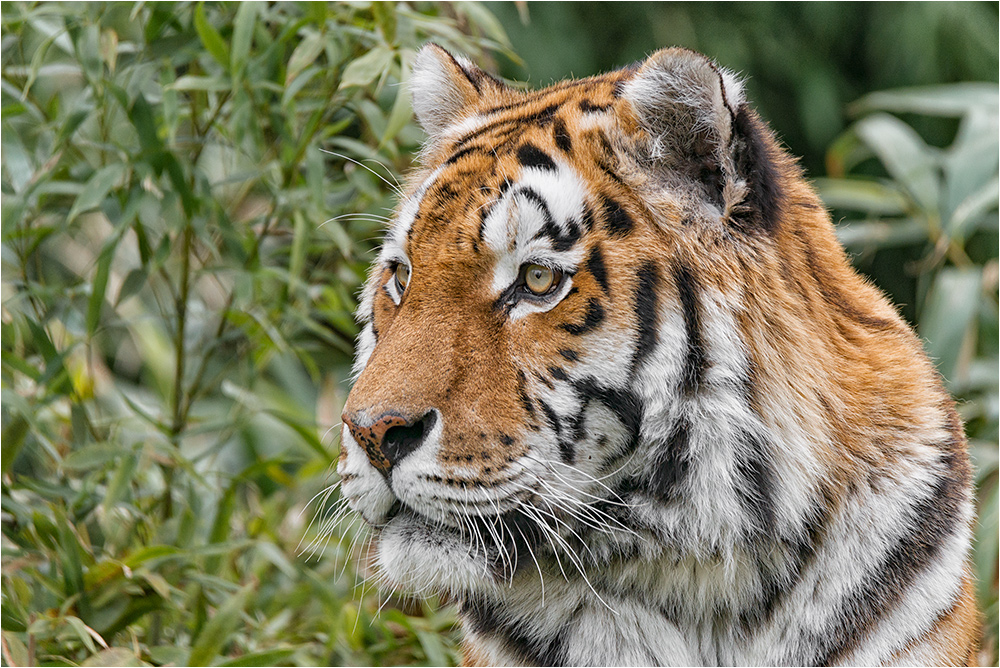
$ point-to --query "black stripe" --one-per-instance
(458, 155)
(551, 417)
(484, 213)
(571, 355)
(616, 219)
(754, 162)
(371, 321)
(567, 449)
(561, 134)
(561, 241)
(829, 288)
(588, 218)
(530, 155)
(607, 159)
(756, 484)
(672, 461)
(694, 360)
(625, 404)
(595, 265)
(487, 618)
(542, 117)
(646, 312)
(473, 79)
(522, 393)
(587, 107)
(935, 520)
(594, 317)
(800, 552)
(558, 373)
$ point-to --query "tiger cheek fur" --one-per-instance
(620, 393)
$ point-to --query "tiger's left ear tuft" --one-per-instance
(445, 87)
(699, 132)
(684, 102)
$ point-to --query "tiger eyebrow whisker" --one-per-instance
(396, 188)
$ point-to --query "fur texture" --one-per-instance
(708, 442)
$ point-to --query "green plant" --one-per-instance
(933, 211)
(190, 196)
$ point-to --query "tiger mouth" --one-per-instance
(506, 541)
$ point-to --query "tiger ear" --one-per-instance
(692, 113)
(685, 103)
(444, 88)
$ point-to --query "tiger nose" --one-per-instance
(390, 437)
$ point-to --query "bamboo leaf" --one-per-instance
(367, 68)
(215, 634)
(97, 188)
(99, 286)
(210, 37)
(948, 314)
(905, 155)
(939, 100)
(246, 19)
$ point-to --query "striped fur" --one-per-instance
(711, 442)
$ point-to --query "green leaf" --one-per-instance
(216, 633)
(986, 545)
(868, 234)
(13, 439)
(973, 209)
(939, 100)
(121, 481)
(85, 633)
(905, 155)
(304, 55)
(191, 82)
(17, 164)
(115, 656)
(433, 647)
(92, 456)
(210, 37)
(97, 188)
(151, 553)
(246, 19)
(134, 281)
(367, 68)
(99, 286)
(862, 195)
(948, 315)
(17, 649)
(269, 657)
(401, 114)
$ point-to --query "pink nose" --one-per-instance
(390, 437)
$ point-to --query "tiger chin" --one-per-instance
(620, 394)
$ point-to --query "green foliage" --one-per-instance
(191, 194)
(932, 212)
(803, 61)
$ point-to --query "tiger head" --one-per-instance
(584, 290)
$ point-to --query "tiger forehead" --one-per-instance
(499, 123)
(509, 134)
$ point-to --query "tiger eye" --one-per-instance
(539, 279)
(402, 275)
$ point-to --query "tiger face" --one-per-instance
(494, 391)
(611, 347)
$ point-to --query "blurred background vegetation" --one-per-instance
(191, 194)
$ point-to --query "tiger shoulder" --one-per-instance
(620, 393)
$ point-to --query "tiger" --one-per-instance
(621, 396)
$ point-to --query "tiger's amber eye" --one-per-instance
(402, 275)
(539, 279)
